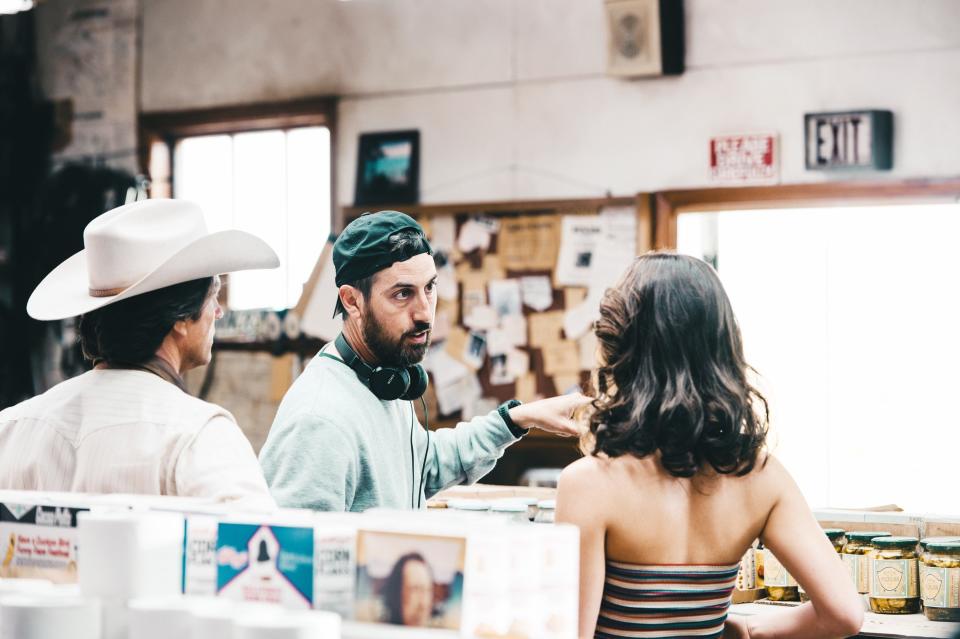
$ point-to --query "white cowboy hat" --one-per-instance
(142, 247)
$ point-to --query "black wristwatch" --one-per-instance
(504, 410)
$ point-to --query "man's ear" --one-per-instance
(179, 328)
(352, 300)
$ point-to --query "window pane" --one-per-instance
(849, 314)
(203, 173)
(308, 203)
(274, 184)
(259, 181)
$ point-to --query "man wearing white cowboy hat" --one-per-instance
(145, 288)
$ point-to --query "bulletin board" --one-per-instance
(518, 288)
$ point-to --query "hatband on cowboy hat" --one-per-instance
(142, 247)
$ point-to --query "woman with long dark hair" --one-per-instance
(678, 483)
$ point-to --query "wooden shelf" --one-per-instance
(303, 346)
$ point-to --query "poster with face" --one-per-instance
(410, 580)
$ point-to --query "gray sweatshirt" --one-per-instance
(335, 446)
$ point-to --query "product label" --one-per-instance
(895, 579)
(38, 542)
(335, 573)
(940, 587)
(273, 564)
(200, 556)
(852, 564)
(774, 574)
(747, 575)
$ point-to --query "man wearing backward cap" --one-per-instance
(346, 437)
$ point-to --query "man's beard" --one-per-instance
(399, 353)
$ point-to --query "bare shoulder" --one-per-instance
(585, 481)
(769, 468)
(586, 471)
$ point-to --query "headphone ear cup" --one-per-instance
(418, 382)
(389, 383)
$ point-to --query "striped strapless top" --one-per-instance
(665, 601)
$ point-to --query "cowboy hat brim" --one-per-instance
(65, 292)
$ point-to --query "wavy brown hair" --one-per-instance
(673, 378)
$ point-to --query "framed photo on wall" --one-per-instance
(388, 168)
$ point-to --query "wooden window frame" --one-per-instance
(668, 205)
(170, 126)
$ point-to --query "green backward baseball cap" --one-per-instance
(364, 247)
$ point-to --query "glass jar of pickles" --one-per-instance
(545, 511)
(929, 540)
(837, 537)
(894, 583)
(837, 540)
(781, 586)
(854, 556)
(940, 580)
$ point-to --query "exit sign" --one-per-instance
(849, 140)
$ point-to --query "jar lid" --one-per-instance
(547, 504)
(468, 504)
(834, 533)
(859, 535)
(944, 546)
(508, 507)
(937, 540)
(895, 542)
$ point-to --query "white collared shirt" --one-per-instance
(127, 431)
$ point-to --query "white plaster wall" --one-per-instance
(511, 96)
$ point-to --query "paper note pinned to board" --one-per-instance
(492, 269)
(481, 318)
(529, 242)
(498, 342)
(537, 292)
(476, 233)
(447, 282)
(456, 343)
(443, 231)
(473, 236)
(526, 389)
(545, 328)
(471, 299)
(514, 329)
(566, 384)
(573, 296)
(580, 236)
(587, 346)
(561, 358)
(579, 319)
(505, 297)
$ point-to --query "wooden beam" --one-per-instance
(669, 204)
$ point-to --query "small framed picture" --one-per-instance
(388, 168)
(410, 580)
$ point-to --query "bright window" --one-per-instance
(274, 184)
(850, 317)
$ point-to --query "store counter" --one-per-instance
(874, 625)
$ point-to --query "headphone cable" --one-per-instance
(426, 452)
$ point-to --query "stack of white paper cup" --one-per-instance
(124, 555)
(36, 616)
(212, 618)
(159, 618)
(286, 624)
(25, 586)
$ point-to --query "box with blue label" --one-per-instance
(266, 563)
(297, 559)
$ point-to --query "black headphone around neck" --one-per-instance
(386, 382)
